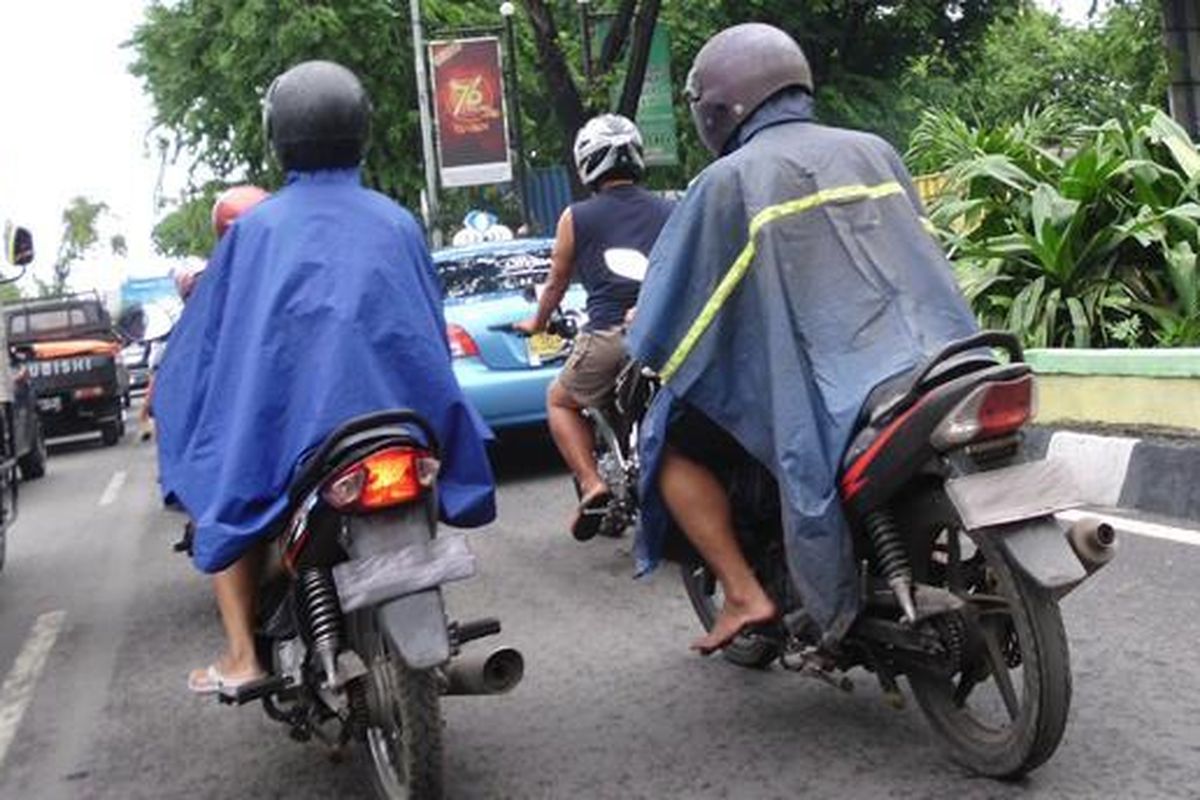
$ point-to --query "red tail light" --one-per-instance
(461, 343)
(992, 410)
(387, 478)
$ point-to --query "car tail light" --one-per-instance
(89, 393)
(387, 478)
(461, 343)
(991, 410)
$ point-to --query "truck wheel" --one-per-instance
(112, 432)
(33, 463)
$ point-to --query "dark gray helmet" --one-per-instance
(735, 72)
(317, 116)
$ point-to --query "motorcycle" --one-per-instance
(962, 563)
(352, 625)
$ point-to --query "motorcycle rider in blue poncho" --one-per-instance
(795, 276)
(318, 305)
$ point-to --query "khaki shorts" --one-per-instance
(590, 374)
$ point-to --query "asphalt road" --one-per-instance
(613, 704)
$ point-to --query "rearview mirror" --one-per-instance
(18, 246)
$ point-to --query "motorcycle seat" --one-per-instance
(896, 394)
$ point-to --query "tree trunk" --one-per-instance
(639, 57)
(568, 104)
(614, 43)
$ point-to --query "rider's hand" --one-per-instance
(630, 314)
(527, 326)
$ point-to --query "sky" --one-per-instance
(76, 123)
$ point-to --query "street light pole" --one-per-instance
(516, 128)
(431, 190)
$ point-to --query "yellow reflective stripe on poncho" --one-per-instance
(840, 194)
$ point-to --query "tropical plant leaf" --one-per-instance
(1166, 131)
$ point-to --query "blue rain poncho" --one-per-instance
(318, 305)
(796, 274)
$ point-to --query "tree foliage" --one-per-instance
(207, 63)
(81, 233)
(187, 231)
(1029, 59)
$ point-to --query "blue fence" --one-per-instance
(548, 190)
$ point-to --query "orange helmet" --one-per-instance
(232, 203)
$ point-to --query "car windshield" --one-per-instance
(485, 273)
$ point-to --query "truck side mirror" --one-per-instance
(18, 246)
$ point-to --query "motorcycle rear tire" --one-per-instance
(1035, 734)
(752, 652)
(412, 736)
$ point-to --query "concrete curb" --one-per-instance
(1157, 475)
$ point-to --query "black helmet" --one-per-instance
(317, 116)
(735, 72)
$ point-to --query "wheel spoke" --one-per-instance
(1000, 671)
(966, 684)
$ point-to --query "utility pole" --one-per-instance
(507, 10)
(431, 190)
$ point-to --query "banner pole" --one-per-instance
(431, 189)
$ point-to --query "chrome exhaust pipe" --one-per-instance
(1094, 542)
(494, 672)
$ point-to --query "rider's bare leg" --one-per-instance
(573, 436)
(235, 588)
(700, 506)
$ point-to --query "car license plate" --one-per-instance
(543, 346)
(50, 404)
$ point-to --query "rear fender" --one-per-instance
(415, 625)
(1039, 550)
(1013, 507)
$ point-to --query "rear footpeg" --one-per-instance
(254, 690)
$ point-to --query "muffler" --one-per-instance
(1094, 542)
(494, 672)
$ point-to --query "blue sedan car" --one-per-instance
(489, 286)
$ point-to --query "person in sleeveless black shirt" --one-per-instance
(602, 242)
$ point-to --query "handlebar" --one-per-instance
(560, 325)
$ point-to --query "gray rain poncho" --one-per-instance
(795, 276)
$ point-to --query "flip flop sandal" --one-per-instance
(214, 682)
(590, 518)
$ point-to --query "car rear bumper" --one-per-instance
(506, 398)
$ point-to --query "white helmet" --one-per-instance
(606, 143)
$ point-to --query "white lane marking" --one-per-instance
(1139, 527)
(1099, 463)
(18, 686)
(114, 488)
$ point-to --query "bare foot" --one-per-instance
(734, 617)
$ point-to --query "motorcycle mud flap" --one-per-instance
(1011, 494)
(1040, 550)
(416, 628)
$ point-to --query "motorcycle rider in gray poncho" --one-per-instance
(796, 275)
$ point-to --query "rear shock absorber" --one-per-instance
(322, 615)
(884, 536)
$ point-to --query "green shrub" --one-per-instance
(1072, 236)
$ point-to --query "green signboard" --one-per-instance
(656, 111)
